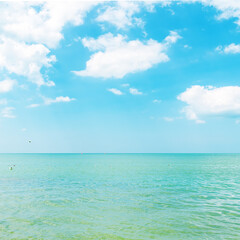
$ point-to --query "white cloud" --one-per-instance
(48, 101)
(115, 91)
(219, 48)
(157, 101)
(206, 101)
(6, 85)
(7, 112)
(121, 14)
(171, 38)
(227, 8)
(25, 60)
(230, 49)
(187, 46)
(125, 85)
(41, 21)
(36, 27)
(116, 57)
(168, 119)
(29, 29)
(134, 91)
(34, 105)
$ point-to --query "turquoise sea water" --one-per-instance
(120, 196)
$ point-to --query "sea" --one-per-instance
(119, 196)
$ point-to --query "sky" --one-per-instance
(120, 76)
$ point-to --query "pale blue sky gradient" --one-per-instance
(94, 119)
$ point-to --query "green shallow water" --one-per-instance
(120, 196)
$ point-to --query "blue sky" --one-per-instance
(120, 76)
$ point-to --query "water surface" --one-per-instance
(120, 196)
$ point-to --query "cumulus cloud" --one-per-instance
(171, 38)
(121, 14)
(7, 112)
(48, 101)
(41, 21)
(135, 91)
(230, 49)
(6, 85)
(29, 29)
(115, 91)
(25, 60)
(206, 101)
(116, 57)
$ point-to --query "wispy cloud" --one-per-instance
(115, 91)
(157, 101)
(226, 8)
(34, 105)
(135, 91)
(7, 85)
(48, 101)
(168, 119)
(7, 112)
(187, 46)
